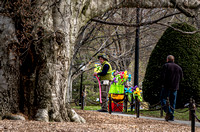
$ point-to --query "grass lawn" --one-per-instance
(177, 114)
(87, 107)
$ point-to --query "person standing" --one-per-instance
(105, 78)
(171, 76)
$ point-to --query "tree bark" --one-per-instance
(9, 67)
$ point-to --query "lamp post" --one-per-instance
(81, 101)
(137, 40)
(81, 89)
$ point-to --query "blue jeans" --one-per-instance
(172, 94)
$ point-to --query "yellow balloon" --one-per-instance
(125, 72)
(125, 76)
(137, 91)
(97, 68)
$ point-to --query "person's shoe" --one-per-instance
(169, 116)
(102, 110)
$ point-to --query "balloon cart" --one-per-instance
(116, 98)
(120, 92)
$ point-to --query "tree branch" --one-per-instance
(167, 25)
(134, 25)
(182, 9)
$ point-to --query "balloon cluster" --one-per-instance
(120, 77)
(118, 81)
(133, 90)
(97, 68)
(118, 85)
(130, 90)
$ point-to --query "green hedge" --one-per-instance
(186, 50)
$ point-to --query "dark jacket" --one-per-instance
(104, 71)
(171, 76)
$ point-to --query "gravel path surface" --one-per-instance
(96, 122)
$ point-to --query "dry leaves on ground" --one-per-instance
(96, 122)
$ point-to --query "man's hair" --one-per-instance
(170, 58)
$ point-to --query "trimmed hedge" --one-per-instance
(186, 50)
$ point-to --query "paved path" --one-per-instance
(197, 124)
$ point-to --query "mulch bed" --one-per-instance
(96, 122)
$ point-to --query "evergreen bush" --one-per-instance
(186, 50)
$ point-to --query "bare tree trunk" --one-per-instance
(9, 67)
(44, 68)
(54, 76)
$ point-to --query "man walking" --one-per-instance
(105, 77)
(171, 77)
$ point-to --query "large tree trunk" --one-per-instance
(54, 54)
(38, 84)
(9, 67)
(44, 71)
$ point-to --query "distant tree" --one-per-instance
(186, 50)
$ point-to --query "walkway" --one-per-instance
(197, 124)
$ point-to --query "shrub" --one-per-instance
(186, 50)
